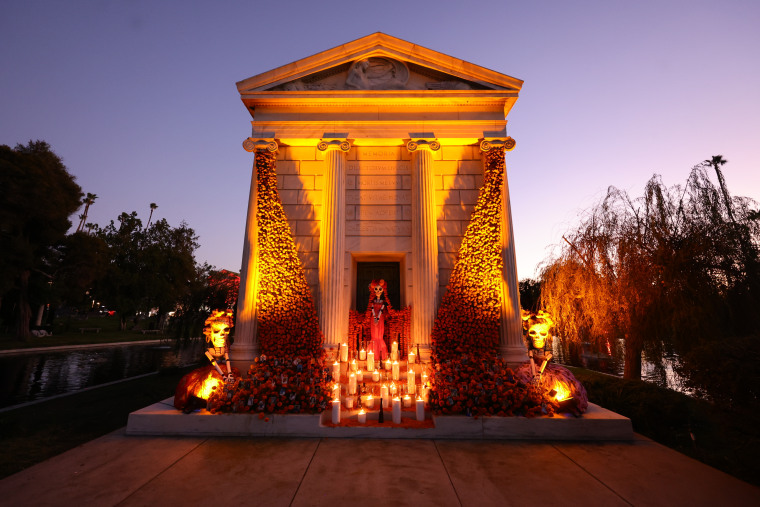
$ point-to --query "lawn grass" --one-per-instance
(66, 331)
(724, 438)
(32, 434)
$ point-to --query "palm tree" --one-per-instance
(716, 161)
(153, 207)
(89, 199)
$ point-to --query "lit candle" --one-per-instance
(394, 351)
(336, 371)
(420, 407)
(353, 365)
(370, 402)
(336, 391)
(375, 376)
(344, 352)
(410, 381)
(424, 377)
(407, 401)
(412, 357)
(388, 364)
(360, 376)
(396, 411)
(370, 360)
(384, 396)
(362, 417)
(362, 354)
(394, 389)
(352, 383)
(424, 392)
(336, 411)
(349, 402)
(395, 370)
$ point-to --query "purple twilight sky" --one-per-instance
(139, 97)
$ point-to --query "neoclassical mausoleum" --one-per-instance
(380, 147)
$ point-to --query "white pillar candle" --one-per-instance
(388, 364)
(370, 402)
(396, 411)
(375, 376)
(410, 382)
(352, 383)
(384, 396)
(353, 365)
(349, 402)
(395, 370)
(362, 417)
(370, 360)
(407, 401)
(360, 376)
(336, 371)
(420, 408)
(344, 352)
(336, 391)
(424, 377)
(424, 392)
(394, 351)
(394, 389)
(362, 354)
(336, 411)
(412, 357)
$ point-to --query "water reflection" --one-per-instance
(30, 377)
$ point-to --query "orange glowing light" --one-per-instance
(207, 386)
(563, 390)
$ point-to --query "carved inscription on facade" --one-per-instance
(379, 213)
(379, 167)
(378, 228)
(389, 182)
(378, 153)
(378, 197)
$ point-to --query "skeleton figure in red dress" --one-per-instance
(378, 308)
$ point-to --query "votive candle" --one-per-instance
(362, 417)
(420, 409)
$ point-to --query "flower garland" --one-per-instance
(469, 376)
(289, 376)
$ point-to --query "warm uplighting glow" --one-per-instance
(207, 387)
(563, 390)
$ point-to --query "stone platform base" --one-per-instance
(596, 424)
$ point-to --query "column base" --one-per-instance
(242, 355)
(513, 355)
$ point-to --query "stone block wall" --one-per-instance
(378, 205)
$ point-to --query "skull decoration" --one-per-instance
(537, 327)
(216, 330)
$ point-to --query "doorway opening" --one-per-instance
(368, 271)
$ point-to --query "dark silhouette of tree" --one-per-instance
(87, 201)
(153, 207)
(147, 267)
(671, 270)
(38, 196)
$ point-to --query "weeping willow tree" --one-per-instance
(669, 270)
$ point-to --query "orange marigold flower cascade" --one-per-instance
(470, 377)
(288, 323)
(289, 376)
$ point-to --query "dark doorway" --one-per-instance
(368, 271)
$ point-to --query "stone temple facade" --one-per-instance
(380, 147)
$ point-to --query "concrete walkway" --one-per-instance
(121, 470)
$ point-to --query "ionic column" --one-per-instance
(511, 343)
(424, 243)
(246, 346)
(332, 241)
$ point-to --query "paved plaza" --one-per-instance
(117, 469)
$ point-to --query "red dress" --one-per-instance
(377, 327)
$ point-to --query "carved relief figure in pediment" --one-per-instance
(377, 73)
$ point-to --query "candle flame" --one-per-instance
(563, 390)
(207, 386)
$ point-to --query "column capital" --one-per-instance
(252, 144)
(418, 143)
(489, 143)
(334, 143)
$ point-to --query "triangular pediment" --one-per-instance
(382, 63)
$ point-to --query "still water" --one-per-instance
(29, 377)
